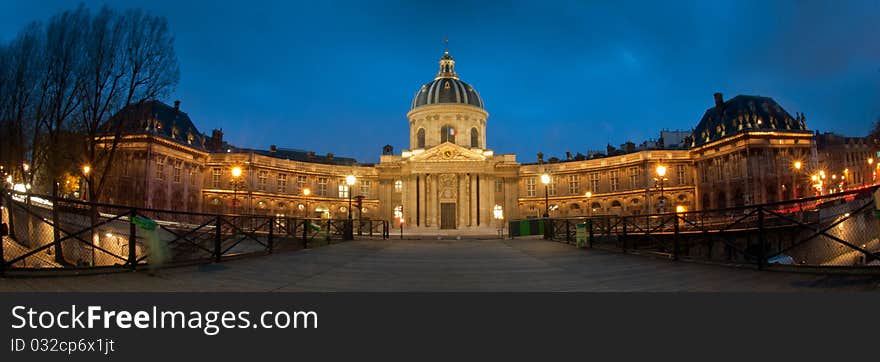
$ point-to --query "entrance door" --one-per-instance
(447, 215)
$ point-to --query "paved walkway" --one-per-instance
(455, 265)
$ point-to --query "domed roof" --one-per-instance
(447, 88)
(744, 113)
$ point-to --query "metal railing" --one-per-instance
(56, 233)
(837, 231)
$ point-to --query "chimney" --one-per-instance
(329, 157)
(540, 158)
(177, 106)
(568, 155)
(311, 155)
(273, 149)
(216, 139)
(719, 100)
(388, 150)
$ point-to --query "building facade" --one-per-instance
(745, 150)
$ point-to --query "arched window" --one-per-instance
(475, 137)
(447, 134)
(420, 138)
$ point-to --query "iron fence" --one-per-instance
(47, 233)
(837, 231)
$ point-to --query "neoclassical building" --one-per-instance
(450, 180)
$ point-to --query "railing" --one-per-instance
(838, 231)
(56, 233)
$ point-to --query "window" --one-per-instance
(192, 175)
(615, 180)
(420, 138)
(530, 186)
(160, 168)
(594, 182)
(475, 137)
(447, 134)
(216, 172)
(634, 176)
(282, 182)
(573, 185)
(322, 186)
(704, 174)
(398, 186)
(178, 171)
(499, 185)
(551, 187)
(262, 176)
(300, 182)
(680, 174)
(343, 188)
(365, 188)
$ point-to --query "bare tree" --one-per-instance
(131, 60)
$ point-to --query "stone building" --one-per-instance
(449, 180)
(847, 161)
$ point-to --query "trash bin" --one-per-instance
(580, 234)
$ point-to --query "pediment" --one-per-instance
(448, 152)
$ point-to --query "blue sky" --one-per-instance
(338, 76)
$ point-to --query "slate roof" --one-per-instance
(741, 114)
(157, 119)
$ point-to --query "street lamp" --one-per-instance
(871, 168)
(236, 173)
(797, 176)
(306, 192)
(86, 169)
(545, 179)
(350, 180)
(660, 170)
(589, 196)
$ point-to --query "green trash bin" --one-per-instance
(581, 234)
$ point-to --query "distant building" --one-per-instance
(741, 152)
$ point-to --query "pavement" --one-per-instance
(449, 265)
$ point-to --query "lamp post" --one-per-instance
(349, 180)
(589, 196)
(236, 174)
(86, 170)
(306, 192)
(797, 177)
(871, 168)
(660, 170)
(545, 179)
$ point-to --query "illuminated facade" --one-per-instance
(450, 181)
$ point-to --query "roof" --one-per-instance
(301, 155)
(157, 119)
(744, 113)
(447, 88)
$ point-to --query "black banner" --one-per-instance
(413, 326)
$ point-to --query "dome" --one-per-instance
(447, 88)
(744, 113)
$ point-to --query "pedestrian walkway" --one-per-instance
(449, 265)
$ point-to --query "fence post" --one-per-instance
(623, 235)
(305, 233)
(132, 240)
(590, 225)
(217, 250)
(329, 223)
(675, 239)
(10, 205)
(761, 240)
(271, 230)
(567, 231)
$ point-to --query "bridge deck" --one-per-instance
(446, 265)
